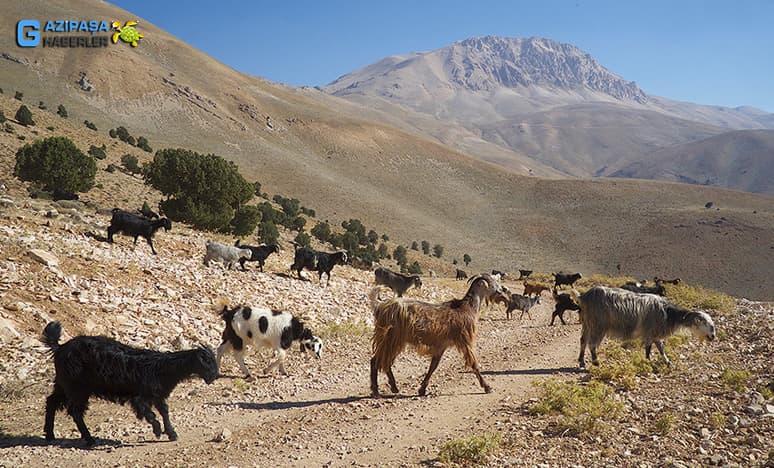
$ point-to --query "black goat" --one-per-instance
(563, 302)
(136, 226)
(674, 281)
(398, 282)
(461, 274)
(564, 278)
(102, 367)
(321, 262)
(523, 274)
(642, 289)
(259, 254)
(59, 194)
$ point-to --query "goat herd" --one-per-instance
(105, 368)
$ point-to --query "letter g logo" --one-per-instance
(28, 33)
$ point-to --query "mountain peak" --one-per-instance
(488, 62)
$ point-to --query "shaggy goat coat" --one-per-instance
(99, 366)
(429, 328)
(627, 315)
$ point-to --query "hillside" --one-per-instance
(739, 159)
(544, 100)
(345, 161)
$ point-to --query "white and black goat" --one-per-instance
(261, 327)
(98, 366)
(136, 226)
(225, 253)
(627, 315)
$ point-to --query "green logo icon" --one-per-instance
(127, 33)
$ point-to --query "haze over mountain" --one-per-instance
(542, 99)
(390, 166)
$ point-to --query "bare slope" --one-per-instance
(743, 159)
(334, 157)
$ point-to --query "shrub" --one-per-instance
(122, 133)
(425, 247)
(257, 186)
(385, 237)
(24, 116)
(582, 408)
(438, 250)
(355, 226)
(399, 254)
(297, 224)
(204, 190)
(90, 125)
(18, 96)
(2, 117)
(42, 105)
(142, 143)
(8, 127)
(55, 162)
(268, 232)
(61, 111)
(308, 211)
(372, 236)
(303, 239)
(99, 152)
(21, 137)
(415, 269)
(245, 221)
(414, 245)
(736, 379)
(50, 128)
(112, 133)
(471, 450)
(131, 163)
(466, 258)
(664, 424)
(382, 251)
(111, 168)
(717, 420)
(131, 140)
(321, 231)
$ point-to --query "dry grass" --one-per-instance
(582, 409)
(471, 450)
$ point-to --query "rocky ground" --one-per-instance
(322, 414)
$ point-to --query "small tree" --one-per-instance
(61, 111)
(425, 247)
(90, 125)
(399, 254)
(382, 251)
(142, 143)
(414, 245)
(112, 133)
(438, 250)
(55, 163)
(245, 220)
(466, 258)
(303, 239)
(297, 223)
(385, 237)
(131, 163)
(18, 96)
(321, 231)
(99, 152)
(131, 140)
(415, 269)
(42, 105)
(2, 117)
(122, 133)
(373, 237)
(24, 116)
(257, 186)
(268, 232)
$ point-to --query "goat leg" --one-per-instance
(662, 350)
(55, 401)
(470, 359)
(581, 356)
(144, 411)
(374, 378)
(433, 365)
(391, 378)
(76, 410)
(150, 242)
(163, 409)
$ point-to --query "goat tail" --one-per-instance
(393, 329)
(51, 335)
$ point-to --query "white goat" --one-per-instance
(225, 253)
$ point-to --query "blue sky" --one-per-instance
(708, 52)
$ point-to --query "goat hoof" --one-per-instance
(422, 392)
(594, 363)
(487, 389)
(375, 394)
(172, 436)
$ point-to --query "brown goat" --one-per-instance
(534, 288)
(429, 328)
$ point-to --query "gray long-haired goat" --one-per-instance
(627, 315)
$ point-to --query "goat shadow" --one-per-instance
(570, 370)
(288, 276)
(280, 405)
(96, 236)
(10, 440)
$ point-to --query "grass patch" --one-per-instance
(470, 450)
(582, 408)
(622, 365)
(13, 390)
(698, 297)
(736, 379)
(343, 329)
(767, 393)
(717, 420)
(664, 424)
